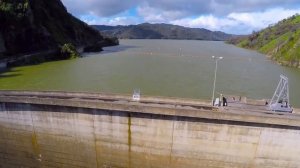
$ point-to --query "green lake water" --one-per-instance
(173, 68)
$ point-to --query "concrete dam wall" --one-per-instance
(48, 130)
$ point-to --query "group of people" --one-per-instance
(223, 102)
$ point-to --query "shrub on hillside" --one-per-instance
(69, 51)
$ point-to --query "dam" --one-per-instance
(69, 129)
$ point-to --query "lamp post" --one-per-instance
(216, 68)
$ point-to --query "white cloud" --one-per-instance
(119, 20)
(238, 23)
(210, 22)
(155, 15)
(104, 8)
(122, 21)
(150, 14)
(110, 8)
(231, 16)
(259, 20)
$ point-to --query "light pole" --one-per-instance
(216, 68)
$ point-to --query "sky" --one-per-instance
(230, 16)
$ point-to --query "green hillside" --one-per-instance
(32, 26)
(280, 41)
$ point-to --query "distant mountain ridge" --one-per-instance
(281, 41)
(161, 31)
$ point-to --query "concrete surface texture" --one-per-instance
(47, 134)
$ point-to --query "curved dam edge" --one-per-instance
(199, 111)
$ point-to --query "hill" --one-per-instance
(281, 41)
(29, 26)
(161, 31)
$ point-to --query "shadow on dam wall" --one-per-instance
(56, 136)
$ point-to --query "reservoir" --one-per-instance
(62, 129)
(172, 68)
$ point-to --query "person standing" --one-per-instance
(224, 101)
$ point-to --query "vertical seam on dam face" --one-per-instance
(255, 153)
(3, 107)
(34, 140)
(95, 139)
(171, 150)
(129, 140)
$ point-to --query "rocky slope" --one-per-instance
(281, 41)
(29, 26)
(161, 31)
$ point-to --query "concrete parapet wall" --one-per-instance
(54, 132)
(151, 105)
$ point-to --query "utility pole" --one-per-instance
(216, 59)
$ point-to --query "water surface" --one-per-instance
(174, 68)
